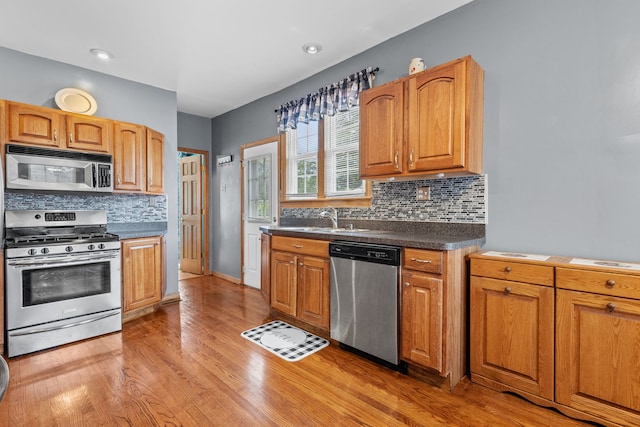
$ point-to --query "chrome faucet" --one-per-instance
(332, 213)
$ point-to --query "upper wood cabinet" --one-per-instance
(424, 124)
(155, 161)
(129, 157)
(30, 124)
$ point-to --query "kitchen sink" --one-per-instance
(324, 229)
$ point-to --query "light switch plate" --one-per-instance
(422, 193)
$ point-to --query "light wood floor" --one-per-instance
(188, 365)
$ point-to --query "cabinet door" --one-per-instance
(382, 130)
(313, 291)
(284, 282)
(422, 320)
(512, 334)
(89, 133)
(141, 272)
(265, 267)
(36, 125)
(437, 116)
(129, 157)
(598, 355)
(155, 161)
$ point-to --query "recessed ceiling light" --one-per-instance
(311, 48)
(102, 54)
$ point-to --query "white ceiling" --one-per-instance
(216, 55)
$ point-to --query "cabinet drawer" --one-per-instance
(509, 270)
(423, 260)
(600, 282)
(301, 246)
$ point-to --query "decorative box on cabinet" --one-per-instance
(426, 124)
(512, 315)
(300, 279)
(142, 275)
(432, 310)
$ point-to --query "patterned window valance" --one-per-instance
(328, 100)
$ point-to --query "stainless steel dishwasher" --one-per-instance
(364, 300)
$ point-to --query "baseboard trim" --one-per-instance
(226, 278)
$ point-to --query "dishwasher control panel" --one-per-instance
(369, 252)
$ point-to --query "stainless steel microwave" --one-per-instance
(34, 168)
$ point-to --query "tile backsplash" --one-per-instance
(459, 200)
(121, 208)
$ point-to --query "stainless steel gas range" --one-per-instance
(63, 282)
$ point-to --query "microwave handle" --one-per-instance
(95, 175)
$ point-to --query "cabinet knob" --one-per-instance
(411, 157)
(507, 290)
(406, 284)
(70, 136)
(301, 264)
(610, 283)
(507, 269)
(610, 307)
(55, 135)
(291, 262)
(395, 160)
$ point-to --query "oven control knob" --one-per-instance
(33, 251)
(101, 246)
(69, 249)
(91, 247)
(44, 250)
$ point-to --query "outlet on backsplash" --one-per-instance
(422, 193)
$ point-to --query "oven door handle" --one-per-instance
(70, 260)
(69, 325)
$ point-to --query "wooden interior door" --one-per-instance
(191, 215)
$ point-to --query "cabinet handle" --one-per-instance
(71, 137)
(610, 283)
(507, 290)
(118, 179)
(411, 157)
(297, 246)
(55, 135)
(406, 284)
(507, 269)
(301, 264)
(423, 261)
(395, 160)
(291, 262)
(610, 307)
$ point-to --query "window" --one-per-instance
(322, 159)
(259, 188)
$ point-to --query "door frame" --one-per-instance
(204, 177)
(278, 140)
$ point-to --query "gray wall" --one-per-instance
(34, 80)
(195, 132)
(561, 127)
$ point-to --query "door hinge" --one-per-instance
(243, 269)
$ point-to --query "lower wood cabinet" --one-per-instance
(560, 332)
(598, 345)
(433, 312)
(142, 275)
(512, 325)
(300, 279)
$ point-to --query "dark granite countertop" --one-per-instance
(423, 235)
(133, 230)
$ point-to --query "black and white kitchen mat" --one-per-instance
(284, 340)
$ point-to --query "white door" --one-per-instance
(260, 204)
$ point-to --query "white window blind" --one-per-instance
(342, 154)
